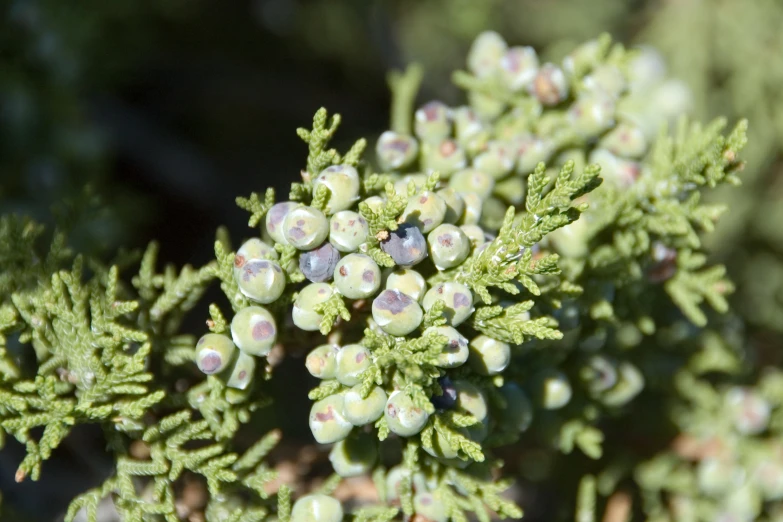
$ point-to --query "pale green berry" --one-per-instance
(497, 160)
(406, 245)
(403, 416)
(241, 372)
(357, 276)
(318, 264)
(214, 353)
(343, 184)
(432, 122)
(455, 206)
(348, 230)
(395, 150)
(327, 420)
(552, 389)
(485, 106)
(748, 411)
(394, 480)
(550, 85)
(355, 455)
(673, 98)
(396, 313)
(592, 114)
(472, 180)
(352, 360)
(305, 228)
(599, 374)
(441, 449)
(261, 280)
(475, 233)
(375, 203)
(304, 314)
(321, 362)
(254, 330)
(364, 411)
(456, 296)
(571, 240)
(717, 476)
(625, 140)
(407, 281)
(425, 211)
(479, 431)
(449, 246)
(489, 356)
(317, 508)
(512, 189)
(768, 474)
(646, 70)
(455, 352)
(275, 218)
(618, 172)
(470, 131)
(493, 212)
(444, 157)
(531, 151)
(471, 399)
(473, 207)
(518, 67)
(253, 248)
(486, 53)
(429, 506)
(418, 179)
(518, 413)
(606, 78)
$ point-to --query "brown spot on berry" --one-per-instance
(351, 222)
(263, 330)
(368, 276)
(446, 240)
(391, 410)
(423, 199)
(324, 417)
(447, 148)
(239, 260)
(242, 375)
(343, 271)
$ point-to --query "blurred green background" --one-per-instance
(131, 120)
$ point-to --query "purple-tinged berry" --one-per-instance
(457, 297)
(406, 245)
(318, 264)
(395, 150)
(396, 313)
(214, 353)
(305, 228)
(254, 330)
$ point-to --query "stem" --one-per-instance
(404, 86)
